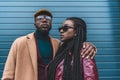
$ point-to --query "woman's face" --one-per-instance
(67, 31)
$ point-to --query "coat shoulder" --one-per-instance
(23, 39)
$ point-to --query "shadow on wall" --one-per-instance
(115, 32)
(115, 25)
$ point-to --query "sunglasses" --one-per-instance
(65, 28)
(41, 17)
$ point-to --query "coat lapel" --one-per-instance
(54, 48)
(33, 52)
(54, 45)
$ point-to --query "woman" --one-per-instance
(68, 64)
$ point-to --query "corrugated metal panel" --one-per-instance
(102, 18)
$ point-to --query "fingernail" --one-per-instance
(83, 56)
(83, 46)
(87, 57)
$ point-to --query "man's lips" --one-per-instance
(44, 26)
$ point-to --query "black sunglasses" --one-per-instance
(65, 28)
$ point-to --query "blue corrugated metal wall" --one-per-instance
(102, 17)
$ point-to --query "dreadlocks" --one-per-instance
(74, 71)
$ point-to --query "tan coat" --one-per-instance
(21, 63)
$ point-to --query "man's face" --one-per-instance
(43, 23)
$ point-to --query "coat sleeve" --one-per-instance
(90, 69)
(9, 69)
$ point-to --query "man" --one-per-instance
(29, 55)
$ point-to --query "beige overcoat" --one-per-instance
(21, 63)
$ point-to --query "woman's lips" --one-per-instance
(61, 36)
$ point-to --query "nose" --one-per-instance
(61, 31)
(44, 20)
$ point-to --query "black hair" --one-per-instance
(74, 71)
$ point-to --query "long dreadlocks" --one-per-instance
(74, 71)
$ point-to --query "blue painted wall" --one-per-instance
(102, 18)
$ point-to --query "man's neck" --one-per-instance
(42, 35)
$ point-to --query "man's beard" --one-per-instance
(44, 29)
